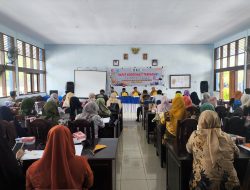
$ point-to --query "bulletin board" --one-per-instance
(180, 81)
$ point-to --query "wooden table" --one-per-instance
(103, 165)
(179, 166)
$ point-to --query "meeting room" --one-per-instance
(124, 95)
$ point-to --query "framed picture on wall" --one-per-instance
(154, 62)
(145, 56)
(125, 56)
(180, 81)
(115, 62)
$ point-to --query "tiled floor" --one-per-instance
(138, 167)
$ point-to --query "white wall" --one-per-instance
(62, 60)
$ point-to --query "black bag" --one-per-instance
(114, 108)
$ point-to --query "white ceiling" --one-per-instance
(126, 21)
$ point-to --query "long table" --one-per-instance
(179, 166)
(102, 163)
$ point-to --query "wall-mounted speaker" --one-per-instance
(70, 87)
(204, 86)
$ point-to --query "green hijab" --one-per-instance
(103, 110)
(206, 106)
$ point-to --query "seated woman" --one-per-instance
(206, 106)
(195, 99)
(206, 97)
(213, 101)
(103, 110)
(50, 111)
(91, 99)
(66, 102)
(244, 109)
(164, 106)
(213, 155)
(237, 102)
(7, 115)
(11, 173)
(59, 167)
(54, 98)
(186, 93)
(177, 112)
(27, 107)
(187, 101)
(113, 99)
(90, 113)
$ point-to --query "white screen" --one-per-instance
(89, 81)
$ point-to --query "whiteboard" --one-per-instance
(89, 81)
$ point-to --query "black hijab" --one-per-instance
(11, 176)
(195, 99)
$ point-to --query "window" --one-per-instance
(31, 68)
(229, 68)
(7, 70)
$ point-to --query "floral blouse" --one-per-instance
(223, 175)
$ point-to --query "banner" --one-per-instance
(136, 76)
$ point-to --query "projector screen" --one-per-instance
(89, 81)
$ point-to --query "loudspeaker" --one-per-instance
(204, 86)
(53, 91)
(70, 87)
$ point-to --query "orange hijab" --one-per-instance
(59, 168)
(187, 101)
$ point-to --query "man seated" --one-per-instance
(153, 91)
(135, 92)
(11, 100)
(124, 92)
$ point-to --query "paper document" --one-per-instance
(106, 120)
(245, 146)
(78, 149)
(32, 155)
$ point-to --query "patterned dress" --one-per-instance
(205, 175)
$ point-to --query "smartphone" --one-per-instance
(17, 147)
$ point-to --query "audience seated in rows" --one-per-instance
(213, 154)
(50, 112)
(59, 167)
(27, 107)
(102, 95)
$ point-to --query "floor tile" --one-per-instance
(134, 185)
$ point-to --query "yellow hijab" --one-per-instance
(177, 112)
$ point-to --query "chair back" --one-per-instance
(84, 126)
(235, 125)
(39, 128)
(114, 108)
(185, 129)
(222, 111)
(9, 131)
(246, 181)
(75, 107)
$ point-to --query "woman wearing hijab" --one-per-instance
(206, 106)
(66, 103)
(213, 101)
(177, 112)
(11, 176)
(50, 111)
(59, 167)
(206, 97)
(244, 109)
(90, 113)
(91, 98)
(164, 106)
(213, 155)
(186, 93)
(195, 99)
(54, 98)
(187, 101)
(7, 115)
(103, 110)
(113, 99)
